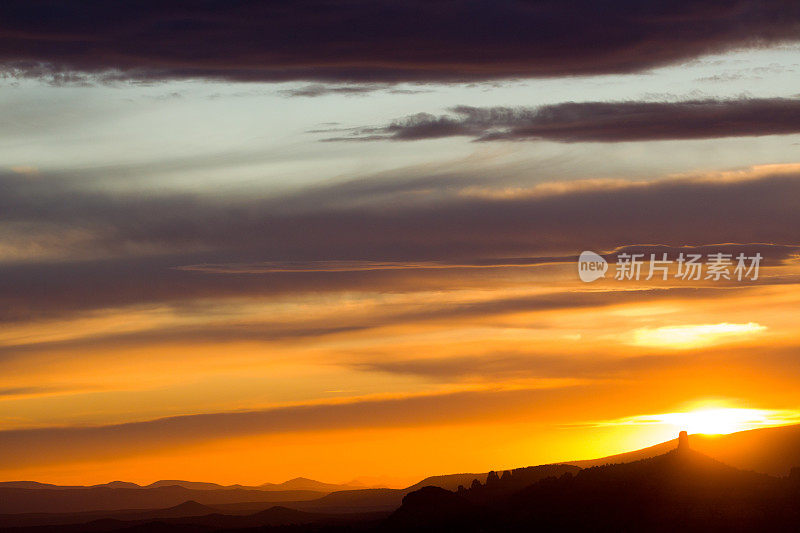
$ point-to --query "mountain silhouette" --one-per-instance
(668, 487)
(302, 483)
(299, 483)
(203, 519)
(773, 451)
(681, 490)
(194, 485)
(355, 501)
(74, 500)
(119, 485)
(187, 508)
(435, 509)
(34, 485)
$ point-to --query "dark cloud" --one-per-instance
(220, 332)
(598, 122)
(772, 254)
(732, 364)
(493, 366)
(504, 366)
(9, 392)
(360, 221)
(320, 89)
(315, 90)
(374, 40)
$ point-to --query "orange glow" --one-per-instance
(714, 420)
(718, 421)
(539, 377)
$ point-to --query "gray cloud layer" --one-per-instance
(180, 230)
(678, 212)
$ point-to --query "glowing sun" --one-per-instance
(714, 419)
(717, 421)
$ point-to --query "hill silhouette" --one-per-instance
(436, 509)
(681, 490)
(16, 500)
(302, 483)
(449, 481)
(187, 508)
(161, 520)
(773, 451)
(355, 501)
(194, 485)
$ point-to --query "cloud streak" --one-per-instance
(274, 331)
(772, 254)
(597, 122)
(39, 446)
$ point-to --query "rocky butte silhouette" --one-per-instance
(683, 441)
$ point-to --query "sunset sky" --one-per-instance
(242, 243)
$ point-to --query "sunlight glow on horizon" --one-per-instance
(714, 420)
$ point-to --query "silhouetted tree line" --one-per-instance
(679, 491)
(511, 481)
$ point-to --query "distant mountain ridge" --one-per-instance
(773, 451)
(302, 483)
(73, 500)
(295, 484)
(50, 486)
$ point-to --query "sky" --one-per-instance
(244, 242)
